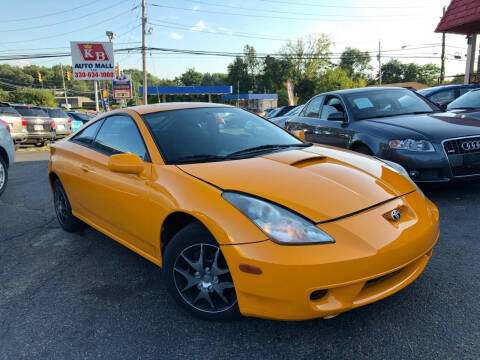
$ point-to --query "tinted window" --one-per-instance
(56, 113)
(313, 107)
(332, 105)
(295, 111)
(118, 135)
(31, 112)
(216, 131)
(469, 100)
(87, 135)
(444, 96)
(464, 90)
(381, 103)
(8, 111)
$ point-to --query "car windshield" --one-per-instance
(470, 100)
(386, 103)
(56, 113)
(295, 111)
(215, 134)
(27, 111)
(81, 116)
(273, 113)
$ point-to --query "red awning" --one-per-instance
(461, 17)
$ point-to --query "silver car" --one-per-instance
(7, 153)
(17, 124)
(62, 123)
(39, 124)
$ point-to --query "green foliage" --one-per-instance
(395, 71)
(191, 78)
(4, 95)
(32, 96)
(214, 79)
(355, 62)
(238, 75)
(335, 79)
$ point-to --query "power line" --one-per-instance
(342, 18)
(64, 21)
(337, 6)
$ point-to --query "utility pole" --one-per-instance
(442, 67)
(144, 51)
(64, 87)
(238, 93)
(379, 63)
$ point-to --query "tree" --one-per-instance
(334, 79)
(214, 79)
(238, 73)
(252, 64)
(32, 96)
(395, 71)
(308, 57)
(275, 74)
(191, 77)
(355, 62)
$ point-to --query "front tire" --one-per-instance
(63, 210)
(3, 175)
(197, 276)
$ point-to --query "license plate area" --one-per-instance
(38, 127)
(471, 159)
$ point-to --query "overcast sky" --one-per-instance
(218, 25)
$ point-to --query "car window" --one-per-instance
(332, 105)
(295, 110)
(87, 135)
(27, 111)
(444, 96)
(56, 113)
(312, 109)
(8, 111)
(468, 101)
(214, 132)
(118, 135)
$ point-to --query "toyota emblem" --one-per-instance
(395, 215)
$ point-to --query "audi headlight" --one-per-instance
(281, 225)
(399, 168)
(412, 145)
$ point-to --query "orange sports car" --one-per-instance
(243, 217)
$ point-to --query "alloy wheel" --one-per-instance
(61, 207)
(203, 279)
(2, 175)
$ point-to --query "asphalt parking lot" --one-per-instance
(85, 296)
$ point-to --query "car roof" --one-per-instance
(360, 90)
(26, 105)
(147, 109)
(438, 88)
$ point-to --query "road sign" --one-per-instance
(105, 102)
(122, 87)
(92, 60)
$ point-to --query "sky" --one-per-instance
(404, 28)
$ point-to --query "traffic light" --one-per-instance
(67, 75)
(39, 77)
(117, 70)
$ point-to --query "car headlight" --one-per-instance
(412, 145)
(399, 168)
(281, 225)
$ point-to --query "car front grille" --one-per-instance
(462, 146)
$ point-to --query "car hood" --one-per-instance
(436, 127)
(319, 182)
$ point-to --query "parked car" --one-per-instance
(244, 218)
(468, 103)
(18, 125)
(7, 154)
(445, 94)
(394, 124)
(280, 111)
(281, 120)
(79, 119)
(39, 126)
(60, 122)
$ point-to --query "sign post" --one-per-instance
(92, 61)
(122, 88)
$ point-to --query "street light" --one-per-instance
(111, 35)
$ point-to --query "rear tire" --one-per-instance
(63, 210)
(197, 276)
(3, 175)
(362, 149)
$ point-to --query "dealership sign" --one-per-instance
(92, 60)
(122, 87)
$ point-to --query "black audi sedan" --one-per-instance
(394, 124)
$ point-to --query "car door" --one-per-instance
(307, 121)
(334, 132)
(119, 202)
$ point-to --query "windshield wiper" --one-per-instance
(199, 158)
(402, 114)
(263, 148)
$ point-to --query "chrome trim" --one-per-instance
(458, 138)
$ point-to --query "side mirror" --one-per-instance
(299, 134)
(125, 163)
(336, 116)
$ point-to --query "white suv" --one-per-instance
(7, 153)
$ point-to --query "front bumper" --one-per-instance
(371, 260)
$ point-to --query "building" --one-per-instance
(76, 102)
